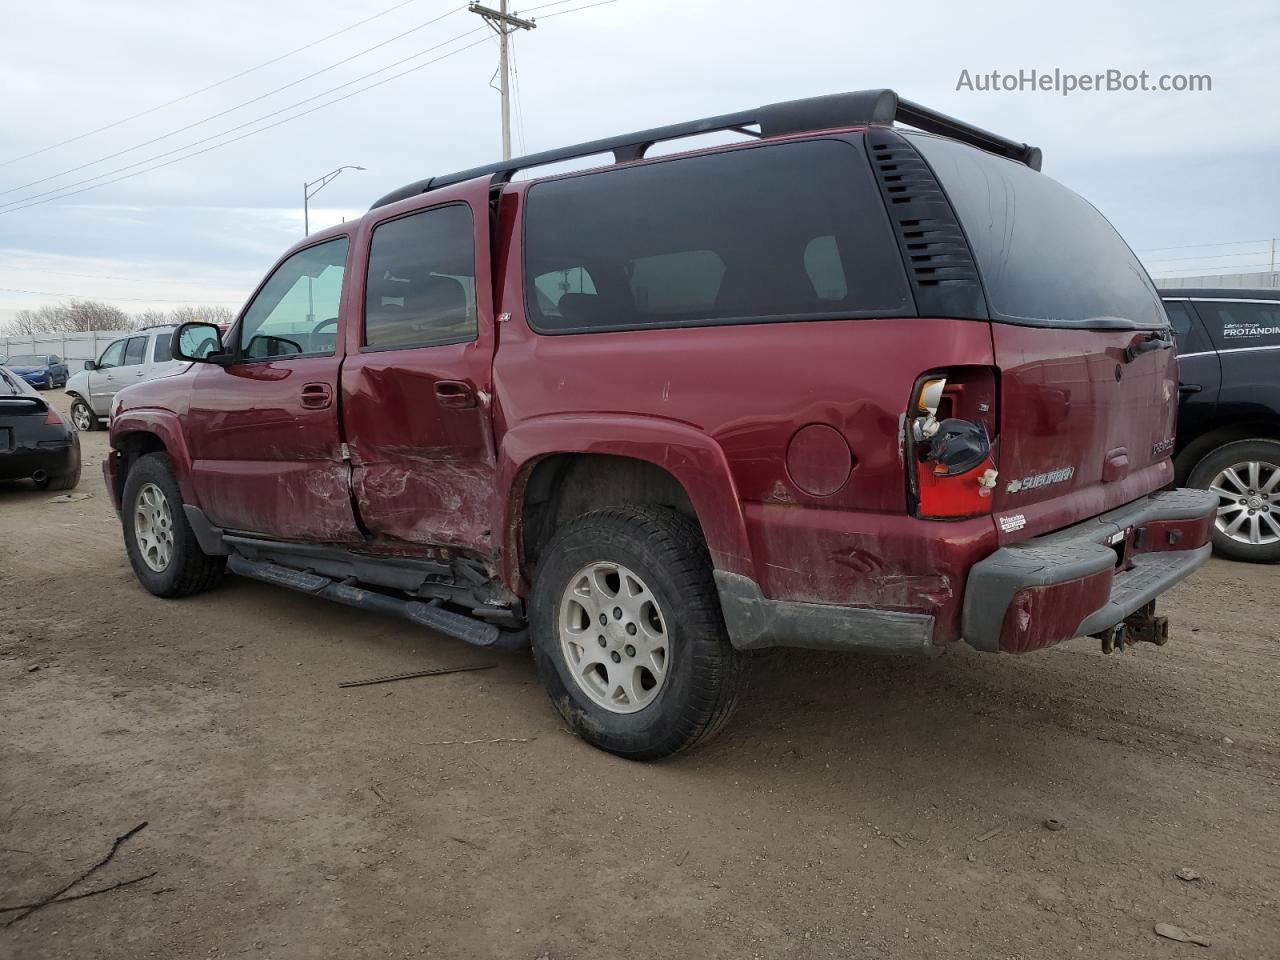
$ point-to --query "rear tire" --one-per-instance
(83, 417)
(666, 678)
(162, 548)
(1246, 476)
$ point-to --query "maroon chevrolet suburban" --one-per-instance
(843, 385)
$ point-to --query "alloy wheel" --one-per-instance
(1249, 502)
(614, 637)
(81, 417)
(153, 527)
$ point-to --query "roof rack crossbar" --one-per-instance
(853, 109)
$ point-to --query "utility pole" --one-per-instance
(503, 24)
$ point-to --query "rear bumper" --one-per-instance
(1089, 577)
(46, 458)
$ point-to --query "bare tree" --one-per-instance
(68, 316)
(208, 313)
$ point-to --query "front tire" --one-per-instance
(83, 416)
(657, 674)
(162, 548)
(1246, 477)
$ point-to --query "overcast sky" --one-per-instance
(1169, 169)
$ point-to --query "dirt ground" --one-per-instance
(855, 808)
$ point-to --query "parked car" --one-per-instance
(843, 386)
(141, 356)
(42, 370)
(1229, 415)
(35, 442)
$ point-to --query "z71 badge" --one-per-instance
(1037, 480)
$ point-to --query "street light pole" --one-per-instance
(308, 193)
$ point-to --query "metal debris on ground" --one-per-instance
(1173, 932)
(433, 672)
(467, 743)
(988, 835)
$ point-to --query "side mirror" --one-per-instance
(91, 364)
(198, 342)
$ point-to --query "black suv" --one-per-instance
(1229, 418)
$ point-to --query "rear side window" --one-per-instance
(135, 351)
(163, 349)
(781, 232)
(1234, 325)
(421, 289)
(1046, 256)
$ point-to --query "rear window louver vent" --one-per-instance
(934, 250)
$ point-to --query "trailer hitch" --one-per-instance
(1141, 626)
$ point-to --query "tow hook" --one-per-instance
(1141, 626)
(1112, 638)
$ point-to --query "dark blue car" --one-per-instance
(41, 370)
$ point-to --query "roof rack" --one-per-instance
(853, 109)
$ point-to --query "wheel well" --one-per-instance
(132, 447)
(1216, 436)
(567, 485)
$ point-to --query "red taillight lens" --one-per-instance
(951, 436)
(53, 416)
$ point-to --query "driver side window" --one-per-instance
(111, 356)
(296, 312)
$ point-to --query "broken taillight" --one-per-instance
(952, 442)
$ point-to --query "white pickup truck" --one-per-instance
(140, 356)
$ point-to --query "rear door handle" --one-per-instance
(455, 394)
(1185, 388)
(316, 396)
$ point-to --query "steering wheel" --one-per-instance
(324, 323)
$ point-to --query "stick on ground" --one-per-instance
(81, 896)
(45, 901)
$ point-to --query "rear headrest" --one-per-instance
(581, 309)
(436, 298)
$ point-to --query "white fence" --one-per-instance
(70, 347)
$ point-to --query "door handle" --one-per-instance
(1185, 388)
(455, 394)
(316, 396)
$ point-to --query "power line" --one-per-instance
(23, 202)
(348, 96)
(1197, 246)
(85, 296)
(195, 93)
(1211, 256)
(1222, 270)
(561, 13)
(232, 109)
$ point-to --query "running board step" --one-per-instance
(428, 615)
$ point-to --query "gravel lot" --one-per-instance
(850, 810)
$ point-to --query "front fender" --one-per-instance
(167, 428)
(692, 457)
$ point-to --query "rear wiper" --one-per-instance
(1154, 341)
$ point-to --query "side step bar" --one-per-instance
(429, 615)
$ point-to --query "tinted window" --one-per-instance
(780, 232)
(1186, 327)
(163, 349)
(135, 351)
(1236, 325)
(422, 280)
(296, 311)
(1047, 257)
(112, 355)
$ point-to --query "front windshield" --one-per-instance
(27, 360)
